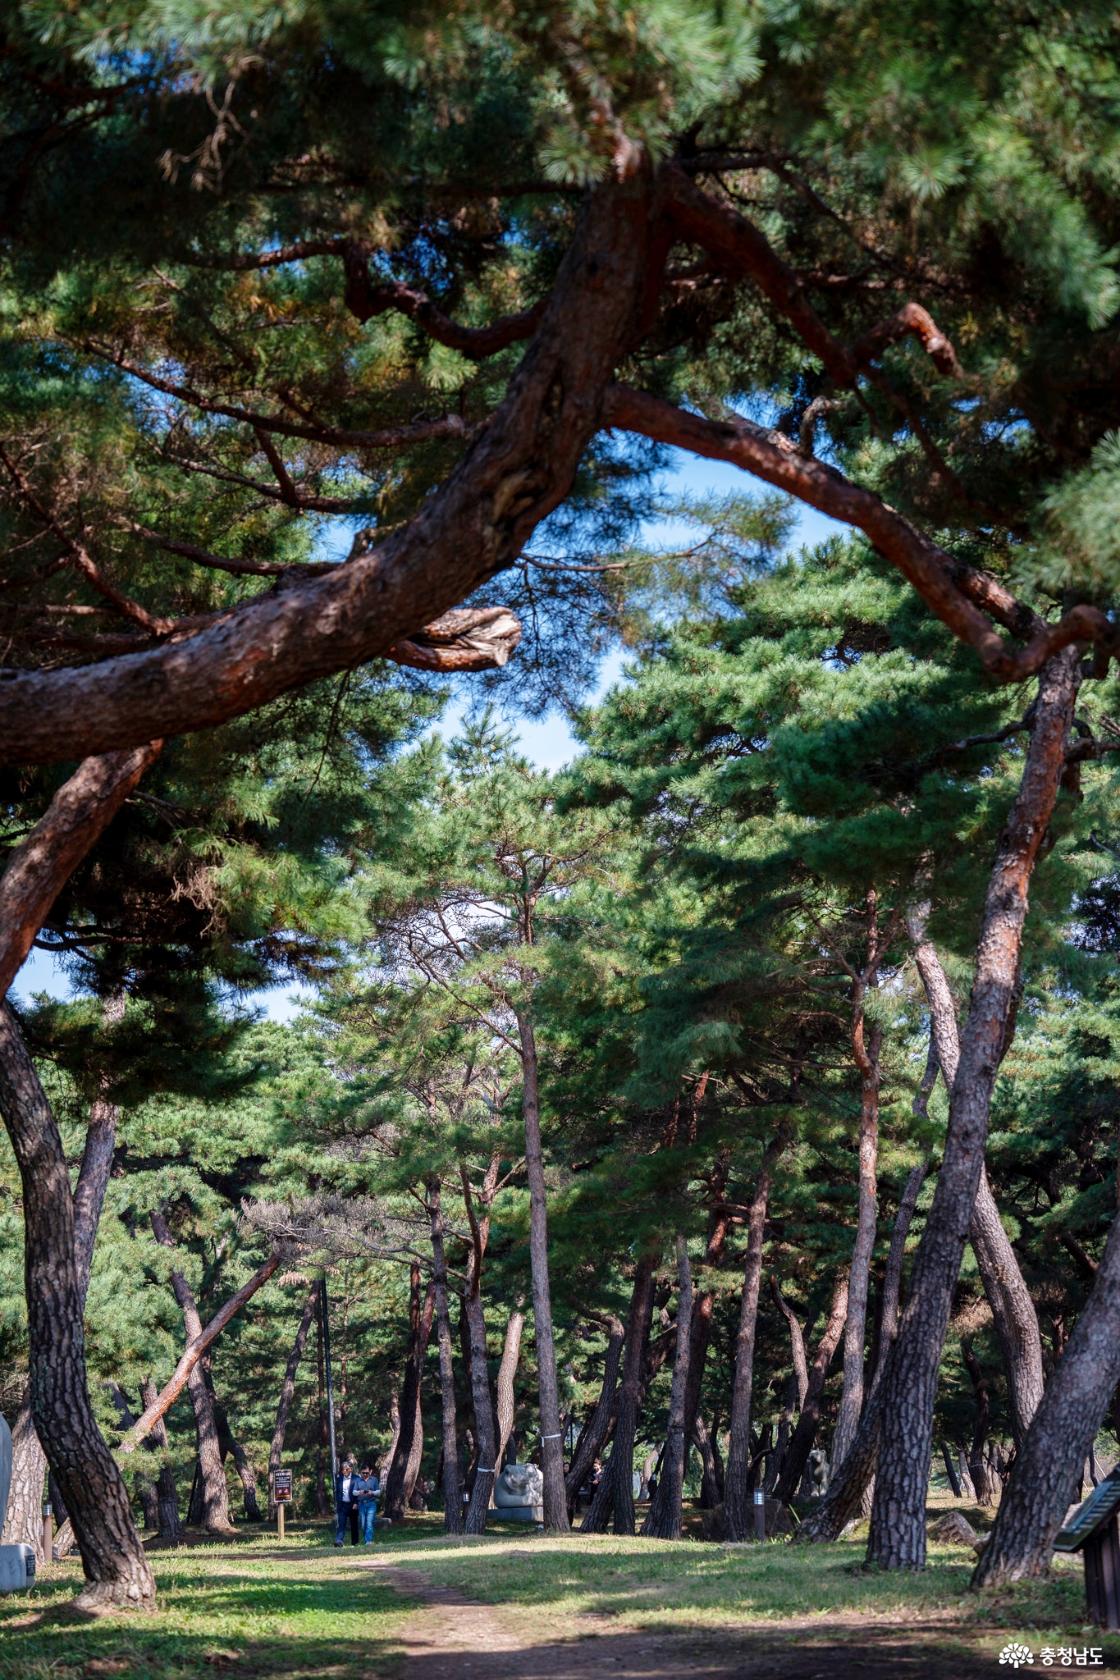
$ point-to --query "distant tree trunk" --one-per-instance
(322, 1439)
(802, 1443)
(386, 1461)
(116, 1569)
(866, 1048)
(977, 1465)
(951, 1470)
(210, 1502)
(614, 1497)
(1013, 1313)
(892, 1275)
(737, 1501)
(507, 1372)
(167, 1500)
(404, 1468)
(908, 1388)
(703, 1302)
(1073, 1407)
(590, 1444)
(797, 1355)
(664, 1519)
(23, 1524)
(449, 1458)
(230, 1447)
(552, 1437)
(287, 1393)
(482, 1403)
(711, 1478)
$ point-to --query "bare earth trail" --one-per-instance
(453, 1637)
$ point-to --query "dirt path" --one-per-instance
(452, 1637)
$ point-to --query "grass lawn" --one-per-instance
(250, 1606)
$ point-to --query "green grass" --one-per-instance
(244, 1607)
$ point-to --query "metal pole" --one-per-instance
(759, 1514)
(324, 1320)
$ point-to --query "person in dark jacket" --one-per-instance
(365, 1491)
(345, 1505)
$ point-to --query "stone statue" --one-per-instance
(819, 1472)
(17, 1563)
(519, 1493)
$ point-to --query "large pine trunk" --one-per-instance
(664, 1518)
(1013, 1313)
(116, 1569)
(1048, 1466)
(908, 1388)
(552, 1436)
(209, 1506)
(737, 1490)
(287, 1393)
(614, 1497)
(452, 1484)
(866, 1048)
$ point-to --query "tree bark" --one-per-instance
(452, 1484)
(590, 1444)
(116, 1569)
(287, 1393)
(802, 1443)
(402, 1475)
(231, 1447)
(212, 1494)
(552, 1438)
(797, 1355)
(978, 1468)
(167, 1500)
(866, 1048)
(664, 1518)
(614, 1497)
(507, 1371)
(898, 1535)
(1065, 1425)
(1013, 1311)
(711, 1480)
(736, 1489)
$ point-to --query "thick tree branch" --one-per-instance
(39, 868)
(366, 300)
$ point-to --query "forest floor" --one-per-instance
(517, 1606)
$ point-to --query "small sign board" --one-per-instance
(1102, 1503)
(282, 1486)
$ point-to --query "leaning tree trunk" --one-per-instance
(803, 1436)
(24, 1522)
(1048, 1464)
(287, 1394)
(452, 1484)
(231, 1447)
(663, 1520)
(898, 1533)
(866, 1048)
(507, 1371)
(614, 1497)
(736, 1486)
(552, 1436)
(210, 1504)
(405, 1466)
(116, 1569)
(1013, 1311)
(590, 1444)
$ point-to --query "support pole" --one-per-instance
(280, 1521)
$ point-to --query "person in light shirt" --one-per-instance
(346, 1513)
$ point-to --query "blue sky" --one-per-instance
(548, 741)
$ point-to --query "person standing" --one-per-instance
(366, 1490)
(345, 1507)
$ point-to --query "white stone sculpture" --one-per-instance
(17, 1563)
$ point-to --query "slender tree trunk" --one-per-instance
(231, 1447)
(552, 1438)
(507, 1372)
(116, 1570)
(614, 1497)
(167, 1499)
(711, 1480)
(798, 1358)
(951, 1470)
(210, 1505)
(1013, 1311)
(1065, 1425)
(322, 1440)
(452, 1485)
(287, 1393)
(737, 1492)
(866, 1048)
(898, 1535)
(803, 1436)
(663, 1521)
(404, 1468)
(591, 1441)
(977, 1466)
(704, 1299)
(483, 1408)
